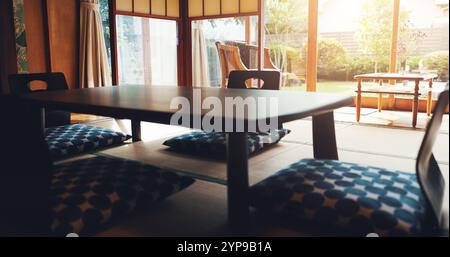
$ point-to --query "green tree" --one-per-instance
(286, 16)
(283, 18)
(104, 13)
(409, 42)
(375, 32)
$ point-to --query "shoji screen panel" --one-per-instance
(195, 8)
(248, 6)
(142, 6)
(157, 8)
(124, 5)
(173, 8)
(212, 7)
(199, 9)
(231, 6)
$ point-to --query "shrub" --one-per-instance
(366, 64)
(291, 80)
(413, 62)
(438, 61)
(332, 60)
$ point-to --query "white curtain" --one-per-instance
(200, 72)
(94, 68)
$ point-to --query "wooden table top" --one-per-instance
(152, 103)
(398, 76)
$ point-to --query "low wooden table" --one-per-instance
(152, 104)
(396, 90)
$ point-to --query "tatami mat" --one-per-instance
(301, 130)
(261, 166)
(198, 211)
(386, 118)
(393, 148)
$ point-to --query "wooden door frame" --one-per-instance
(113, 12)
(8, 56)
(187, 24)
(184, 27)
(184, 44)
(311, 64)
(394, 46)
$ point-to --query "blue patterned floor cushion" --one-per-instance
(331, 197)
(69, 140)
(87, 195)
(212, 143)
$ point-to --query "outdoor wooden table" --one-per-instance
(152, 104)
(381, 77)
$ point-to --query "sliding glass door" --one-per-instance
(146, 51)
(229, 31)
(286, 36)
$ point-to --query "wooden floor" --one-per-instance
(201, 209)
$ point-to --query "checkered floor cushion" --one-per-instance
(89, 194)
(345, 198)
(206, 143)
(69, 140)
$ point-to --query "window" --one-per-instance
(147, 51)
(286, 27)
(354, 37)
(230, 31)
(424, 38)
(104, 12)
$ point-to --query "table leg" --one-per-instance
(380, 98)
(136, 130)
(42, 121)
(358, 101)
(324, 137)
(416, 103)
(238, 182)
(430, 98)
